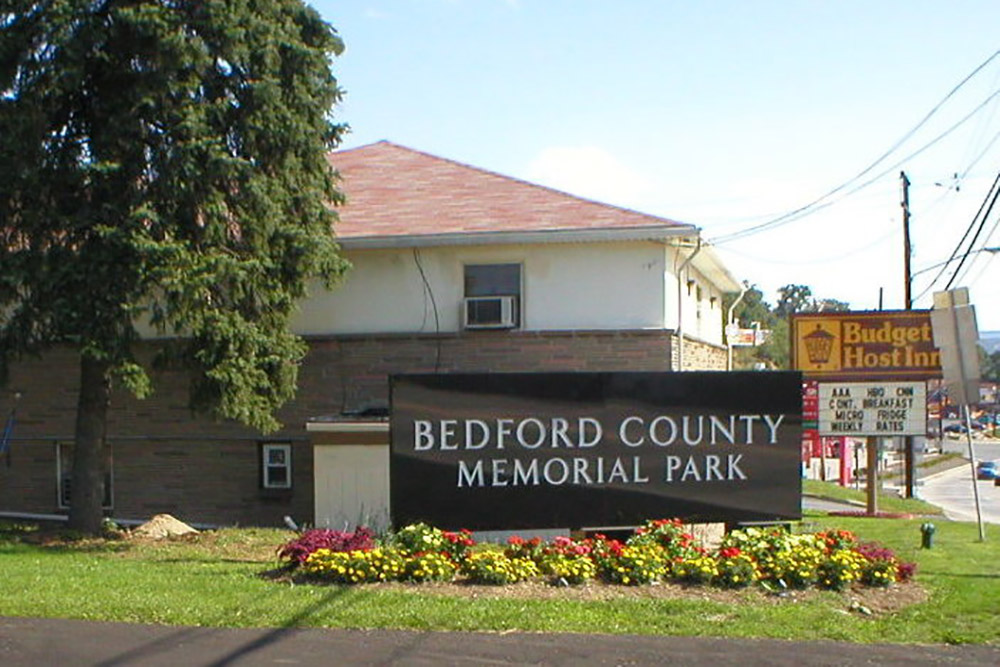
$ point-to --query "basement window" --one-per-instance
(276, 465)
(64, 476)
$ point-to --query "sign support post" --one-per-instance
(871, 444)
(972, 465)
(953, 320)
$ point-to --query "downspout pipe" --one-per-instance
(680, 302)
(744, 288)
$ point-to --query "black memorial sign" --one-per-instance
(575, 450)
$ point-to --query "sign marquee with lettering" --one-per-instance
(879, 409)
(865, 345)
(571, 450)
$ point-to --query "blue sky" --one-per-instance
(722, 114)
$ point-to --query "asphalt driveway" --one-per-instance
(35, 642)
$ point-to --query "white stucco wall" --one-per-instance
(564, 286)
(703, 314)
(702, 318)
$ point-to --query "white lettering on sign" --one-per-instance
(531, 451)
(869, 408)
(586, 432)
(558, 471)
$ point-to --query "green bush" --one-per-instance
(637, 564)
(735, 569)
(429, 567)
(573, 570)
(840, 569)
(669, 535)
(355, 567)
(697, 570)
(495, 568)
(418, 538)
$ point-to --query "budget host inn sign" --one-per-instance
(573, 450)
(862, 345)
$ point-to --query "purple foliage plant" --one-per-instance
(298, 550)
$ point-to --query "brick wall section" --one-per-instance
(351, 372)
(167, 459)
(700, 356)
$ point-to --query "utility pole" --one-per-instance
(904, 183)
(908, 454)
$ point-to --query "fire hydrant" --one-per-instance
(927, 535)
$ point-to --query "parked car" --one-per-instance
(955, 428)
(987, 421)
(958, 428)
(987, 470)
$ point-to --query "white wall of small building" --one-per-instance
(702, 317)
(565, 286)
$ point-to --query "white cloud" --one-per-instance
(588, 171)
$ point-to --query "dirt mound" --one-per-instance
(161, 526)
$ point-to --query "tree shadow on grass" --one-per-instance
(70, 547)
(176, 560)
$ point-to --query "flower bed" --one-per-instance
(660, 551)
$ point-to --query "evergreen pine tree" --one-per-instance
(164, 159)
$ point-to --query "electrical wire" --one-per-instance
(437, 322)
(813, 262)
(983, 247)
(977, 138)
(982, 270)
(968, 230)
(808, 208)
(972, 243)
(961, 176)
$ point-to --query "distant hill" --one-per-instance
(990, 340)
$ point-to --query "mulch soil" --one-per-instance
(864, 600)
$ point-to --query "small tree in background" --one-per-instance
(989, 364)
(793, 299)
(164, 160)
(775, 350)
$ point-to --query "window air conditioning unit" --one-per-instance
(490, 312)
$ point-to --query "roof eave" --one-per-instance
(648, 233)
(707, 261)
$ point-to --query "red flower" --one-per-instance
(730, 552)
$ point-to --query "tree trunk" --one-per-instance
(87, 485)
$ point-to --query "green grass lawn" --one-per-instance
(215, 580)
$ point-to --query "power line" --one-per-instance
(982, 248)
(968, 251)
(812, 261)
(979, 275)
(990, 196)
(809, 207)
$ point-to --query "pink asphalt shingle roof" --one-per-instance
(392, 191)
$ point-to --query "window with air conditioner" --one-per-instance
(492, 296)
